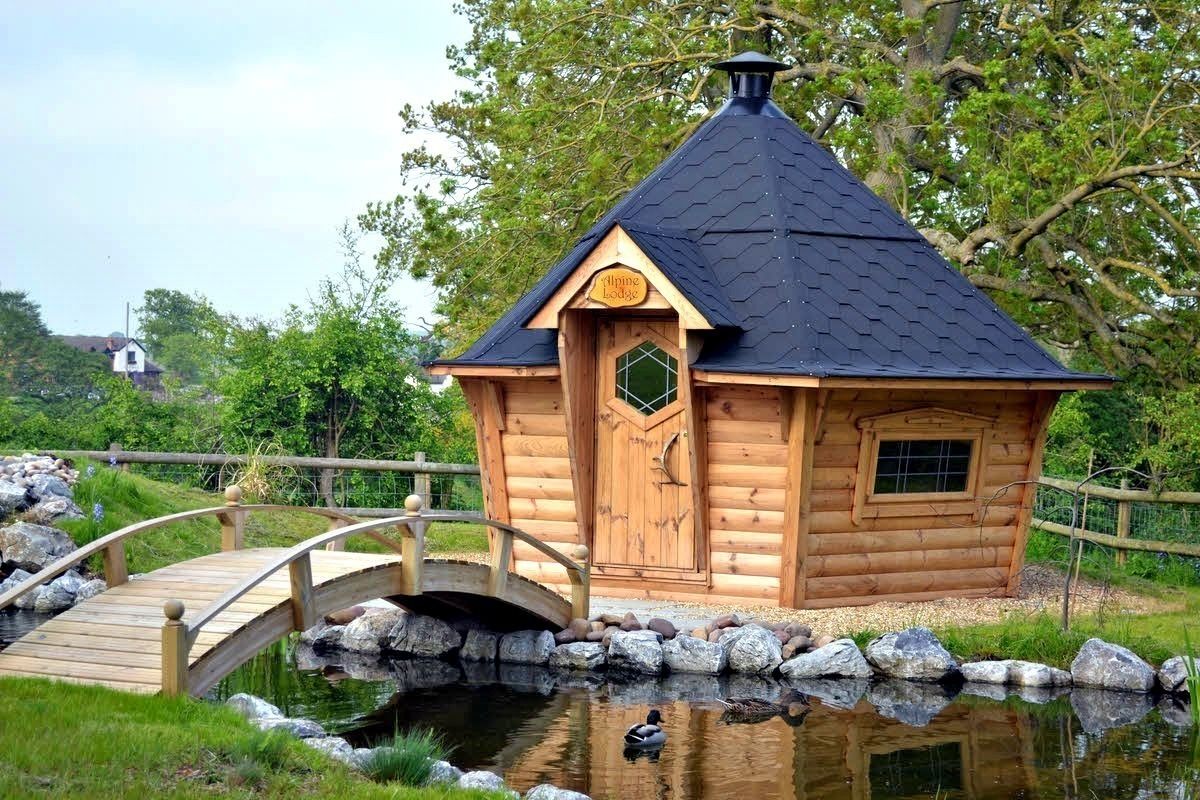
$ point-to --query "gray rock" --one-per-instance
(31, 547)
(419, 635)
(300, 728)
(1176, 710)
(333, 746)
(423, 673)
(1011, 672)
(309, 636)
(688, 654)
(53, 598)
(664, 627)
(1172, 675)
(90, 589)
(12, 498)
(46, 486)
(637, 651)
(1099, 710)
(578, 656)
(841, 693)
(840, 658)
(369, 632)
(53, 509)
(329, 638)
(752, 649)
(28, 600)
(1102, 665)
(361, 757)
(550, 792)
(18, 576)
(526, 647)
(252, 707)
(479, 646)
(913, 654)
(914, 703)
(444, 772)
(481, 780)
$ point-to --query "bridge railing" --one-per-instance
(178, 636)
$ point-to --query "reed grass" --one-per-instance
(408, 758)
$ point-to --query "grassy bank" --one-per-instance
(65, 741)
(125, 498)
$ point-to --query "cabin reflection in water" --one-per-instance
(964, 752)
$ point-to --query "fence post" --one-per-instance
(174, 651)
(233, 522)
(114, 457)
(1124, 513)
(421, 482)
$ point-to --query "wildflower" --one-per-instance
(112, 461)
(98, 512)
(90, 471)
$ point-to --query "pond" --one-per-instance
(887, 740)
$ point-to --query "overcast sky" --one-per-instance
(201, 146)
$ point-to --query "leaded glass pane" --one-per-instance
(647, 378)
(922, 465)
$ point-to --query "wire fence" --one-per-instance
(1165, 521)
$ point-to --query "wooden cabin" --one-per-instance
(753, 380)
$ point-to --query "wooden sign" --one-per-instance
(618, 287)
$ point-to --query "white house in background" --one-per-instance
(128, 356)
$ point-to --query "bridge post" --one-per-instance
(502, 545)
(116, 571)
(304, 608)
(233, 522)
(412, 546)
(174, 650)
(581, 583)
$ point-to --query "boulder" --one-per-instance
(300, 728)
(361, 757)
(911, 702)
(609, 632)
(368, 633)
(691, 654)
(752, 649)
(52, 509)
(90, 589)
(444, 772)
(597, 636)
(1032, 674)
(481, 780)
(566, 636)
(252, 707)
(580, 628)
(821, 641)
(526, 647)
(479, 646)
(992, 672)
(12, 498)
(332, 746)
(700, 633)
(328, 638)
(663, 627)
(610, 620)
(548, 791)
(726, 621)
(578, 656)
(45, 486)
(714, 636)
(913, 654)
(419, 635)
(795, 629)
(53, 598)
(781, 635)
(28, 600)
(1102, 665)
(17, 576)
(1172, 675)
(840, 659)
(31, 547)
(637, 651)
(797, 644)
(345, 616)
(630, 623)
(1099, 710)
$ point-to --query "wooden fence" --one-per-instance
(422, 470)
(1121, 541)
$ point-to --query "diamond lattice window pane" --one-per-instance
(647, 378)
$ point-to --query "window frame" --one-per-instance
(628, 412)
(923, 424)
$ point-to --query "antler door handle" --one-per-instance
(665, 466)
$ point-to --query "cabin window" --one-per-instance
(922, 466)
(647, 378)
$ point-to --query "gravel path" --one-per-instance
(1041, 590)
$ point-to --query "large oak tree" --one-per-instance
(1049, 149)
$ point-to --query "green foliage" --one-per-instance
(184, 333)
(79, 742)
(37, 367)
(408, 758)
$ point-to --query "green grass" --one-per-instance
(64, 741)
(408, 759)
(127, 498)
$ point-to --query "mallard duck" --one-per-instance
(792, 706)
(650, 734)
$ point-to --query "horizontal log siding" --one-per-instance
(916, 557)
(541, 497)
(747, 472)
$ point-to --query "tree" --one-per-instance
(334, 379)
(22, 336)
(35, 364)
(1049, 149)
(184, 332)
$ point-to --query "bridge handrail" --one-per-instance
(112, 545)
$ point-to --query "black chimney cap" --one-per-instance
(751, 61)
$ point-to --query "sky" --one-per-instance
(206, 147)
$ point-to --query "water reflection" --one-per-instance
(857, 740)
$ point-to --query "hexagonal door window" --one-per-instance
(647, 378)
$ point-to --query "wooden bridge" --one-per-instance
(180, 629)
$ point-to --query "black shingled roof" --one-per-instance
(800, 268)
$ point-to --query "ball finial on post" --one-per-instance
(412, 504)
(580, 553)
(233, 495)
(173, 609)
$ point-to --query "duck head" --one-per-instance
(653, 718)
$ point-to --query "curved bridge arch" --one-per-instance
(223, 608)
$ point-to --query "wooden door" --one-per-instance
(644, 518)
